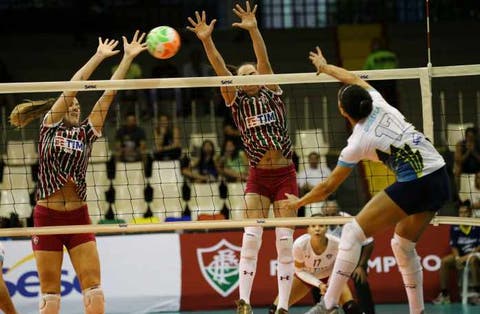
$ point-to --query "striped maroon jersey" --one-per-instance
(262, 124)
(63, 154)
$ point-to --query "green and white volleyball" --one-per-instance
(163, 42)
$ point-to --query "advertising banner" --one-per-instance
(140, 274)
(210, 261)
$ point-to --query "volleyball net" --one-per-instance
(155, 194)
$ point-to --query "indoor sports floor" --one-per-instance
(455, 308)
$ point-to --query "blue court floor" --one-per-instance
(455, 308)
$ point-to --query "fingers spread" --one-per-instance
(192, 21)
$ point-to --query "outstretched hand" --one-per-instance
(133, 48)
(291, 203)
(200, 26)
(318, 60)
(247, 16)
(105, 48)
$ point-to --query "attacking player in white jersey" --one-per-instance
(381, 133)
(314, 253)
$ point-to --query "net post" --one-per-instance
(427, 113)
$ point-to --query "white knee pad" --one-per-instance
(252, 240)
(49, 304)
(284, 244)
(94, 301)
(352, 236)
(407, 258)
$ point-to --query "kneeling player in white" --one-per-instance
(315, 254)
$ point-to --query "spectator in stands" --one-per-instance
(467, 155)
(382, 58)
(130, 141)
(6, 304)
(360, 274)
(464, 240)
(65, 145)
(167, 140)
(205, 169)
(312, 174)
(233, 162)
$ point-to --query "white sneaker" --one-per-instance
(320, 308)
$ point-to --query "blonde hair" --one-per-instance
(29, 110)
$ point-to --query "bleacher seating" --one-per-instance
(17, 177)
(21, 153)
(311, 140)
(205, 199)
(236, 200)
(129, 185)
(166, 172)
(167, 200)
(100, 151)
(17, 201)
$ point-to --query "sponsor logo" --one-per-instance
(226, 82)
(219, 266)
(260, 119)
(385, 264)
(68, 144)
(21, 279)
(90, 86)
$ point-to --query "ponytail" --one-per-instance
(30, 110)
(356, 101)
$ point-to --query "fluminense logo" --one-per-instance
(219, 266)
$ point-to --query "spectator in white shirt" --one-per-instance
(313, 173)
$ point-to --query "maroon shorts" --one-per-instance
(273, 183)
(43, 216)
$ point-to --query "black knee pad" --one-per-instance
(272, 309)
(351, 307)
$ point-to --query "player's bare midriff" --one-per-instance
(65, 199)
(273, 159)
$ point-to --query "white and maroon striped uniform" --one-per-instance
(262, 124)
(63, 154)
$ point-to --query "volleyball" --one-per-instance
(163, 42)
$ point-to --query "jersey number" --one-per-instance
(390, 126)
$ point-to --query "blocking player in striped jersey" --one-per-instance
(259, 113)
(314, 253)
(64, 148)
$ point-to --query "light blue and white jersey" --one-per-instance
(386, 136)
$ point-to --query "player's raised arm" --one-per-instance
(203, 30)
(131, 50)
(249, 23)
(105, 49)
(344, 76)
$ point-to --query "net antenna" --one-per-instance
(427, 20)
